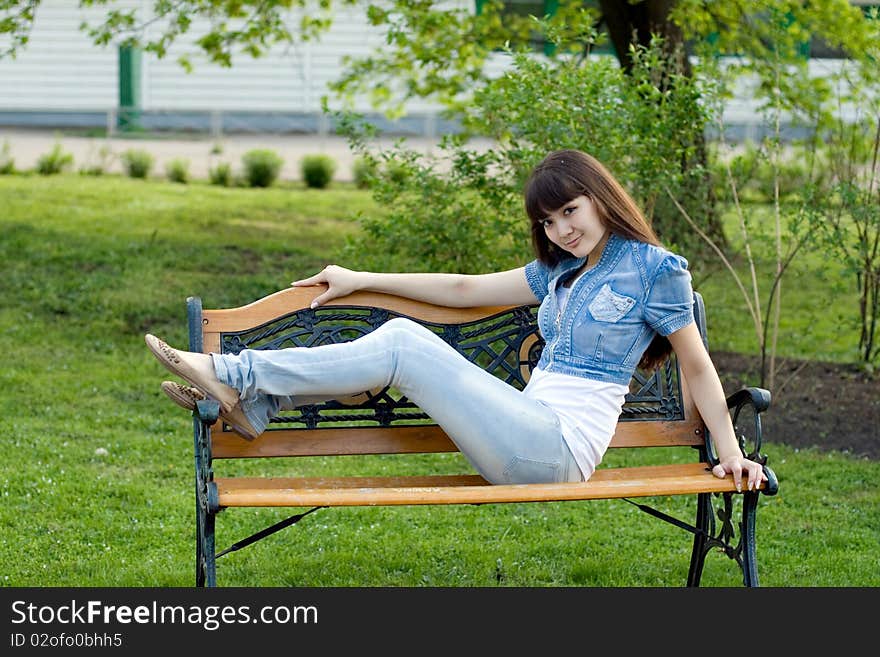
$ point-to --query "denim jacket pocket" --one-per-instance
(609, 306)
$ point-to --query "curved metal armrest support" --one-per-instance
(772, 485)
(758, 401)
(207, 410)
(757, 397)
(205, 414)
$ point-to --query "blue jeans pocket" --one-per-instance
(527, 471)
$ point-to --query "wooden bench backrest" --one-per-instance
(505, 340)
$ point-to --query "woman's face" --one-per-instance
(575, 227)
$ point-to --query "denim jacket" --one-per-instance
(613, 311)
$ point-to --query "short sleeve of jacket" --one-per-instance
(538, 278)
(670, 304)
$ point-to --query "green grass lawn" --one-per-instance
(96, 479)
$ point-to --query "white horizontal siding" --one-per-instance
(289, 78)
(60, 68)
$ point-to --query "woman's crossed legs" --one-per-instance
(507, 437)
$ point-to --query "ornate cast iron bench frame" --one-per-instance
(504, 340)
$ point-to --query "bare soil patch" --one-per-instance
(829, 406)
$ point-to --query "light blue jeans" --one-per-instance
(508, 437)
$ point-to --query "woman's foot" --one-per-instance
(196, 369)
(187, 396)
(184, 396)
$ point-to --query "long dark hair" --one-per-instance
(566, 174)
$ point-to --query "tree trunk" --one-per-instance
(634, 24)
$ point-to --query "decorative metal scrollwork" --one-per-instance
(655, 395)
(507, 344)
(204, 465)
(726, 532)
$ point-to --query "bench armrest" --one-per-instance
(749, 401)
(757, 397)
(207, 411)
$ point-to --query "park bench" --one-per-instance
(504, 340)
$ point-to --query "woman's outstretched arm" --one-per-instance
(708, 394)
(453, 290)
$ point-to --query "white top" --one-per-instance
(587, 409)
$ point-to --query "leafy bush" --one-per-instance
(261, 167)
(462, 210)
(396, 172)
(177, 170)
(55, 161)
(363, 170)
(137, 162)
(221, 174)
(317, 170)
(7, 162)
(458, 221)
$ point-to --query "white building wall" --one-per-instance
(61, 69)
(290, 78)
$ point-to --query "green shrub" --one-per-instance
(261, 167)
(177, 170)
(317, 170)
(7, 162)
(55, 161)
(396, 172)
(137, 162)
(460, 209)
(363, 171)
(221, 174)
(438, 220)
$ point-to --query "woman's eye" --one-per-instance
(569, 210)
(546, 223)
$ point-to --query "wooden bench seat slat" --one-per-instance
(465, 489)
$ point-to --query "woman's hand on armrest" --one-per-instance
(339, 280)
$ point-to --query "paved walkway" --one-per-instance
(26, 147)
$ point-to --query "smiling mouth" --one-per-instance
(573, 242)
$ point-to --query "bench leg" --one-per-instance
(744, 553)
(749, 547)
(205, 493)
(701, 547)
(200, 543)
(206, 569)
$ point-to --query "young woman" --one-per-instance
(611, 297)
